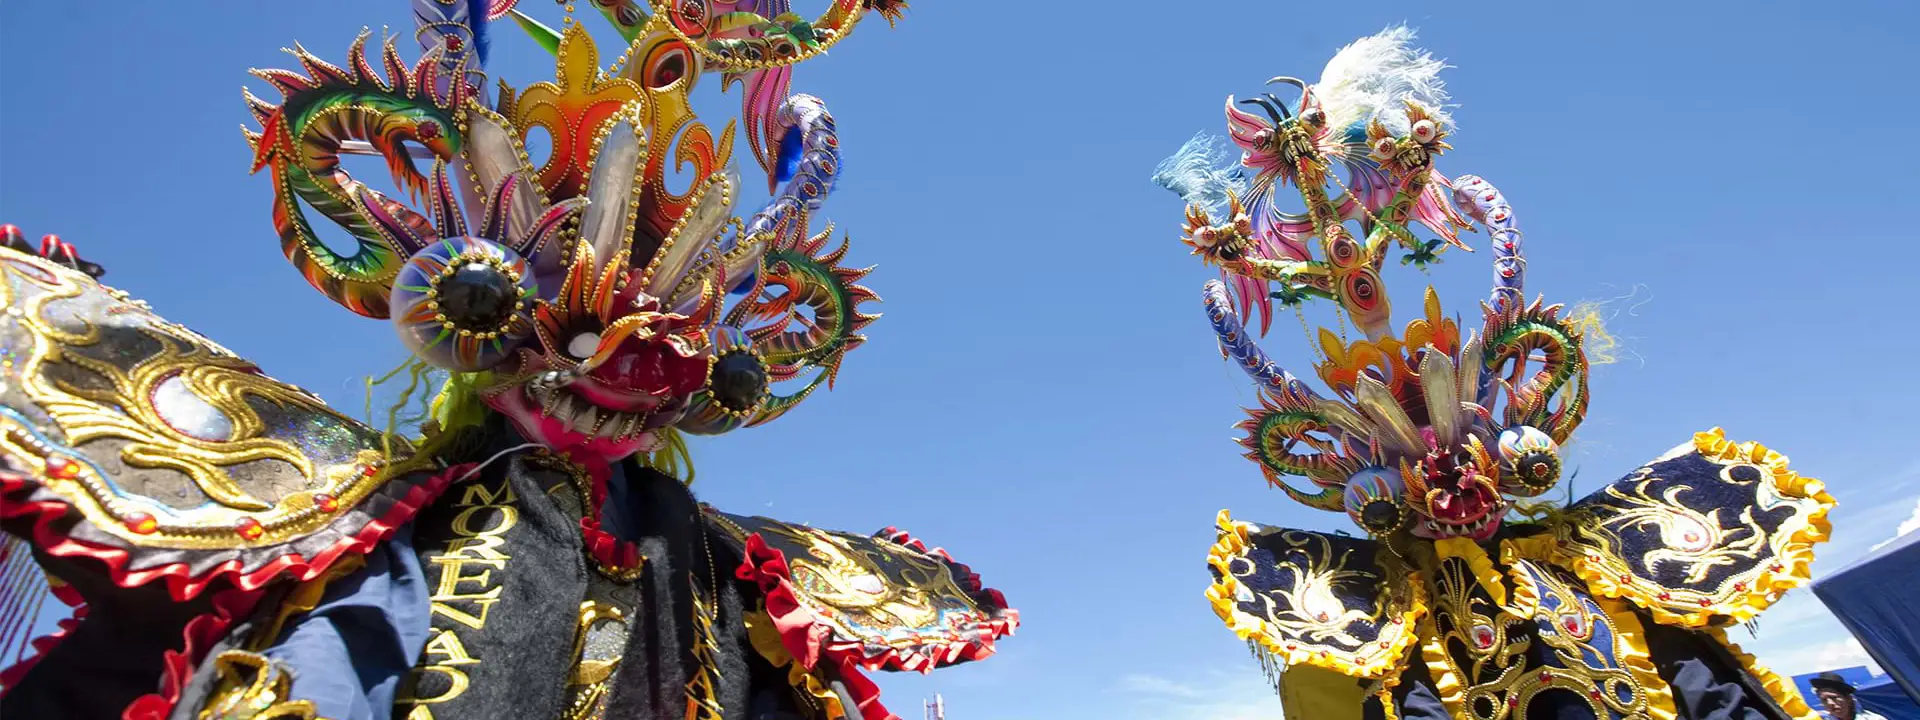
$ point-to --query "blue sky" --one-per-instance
(1043, 397)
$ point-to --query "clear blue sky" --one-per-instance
(1043, 396)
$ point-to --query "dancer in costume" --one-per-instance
(1464, 601)
(236, 549)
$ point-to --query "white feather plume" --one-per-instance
(1374, 75)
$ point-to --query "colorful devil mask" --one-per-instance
(588, 301)
(1425, 430)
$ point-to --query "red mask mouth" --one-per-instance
(609, 372)
(1457, 498)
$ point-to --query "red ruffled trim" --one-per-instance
(182, 585)
(201, 633)
(610, 551)
(812, 642)
(1007, 619)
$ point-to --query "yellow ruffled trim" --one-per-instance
(1630, 650)
(1795, 556)
(1388, 711)
(1526, 593)
(1381, 662)
(766, 641)
(1433, 651)
(1478, 562)
(1780, 688)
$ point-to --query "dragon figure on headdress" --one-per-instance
(236, 549)
(1465, 600)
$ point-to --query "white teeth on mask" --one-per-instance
(628, 426)
(585, 417)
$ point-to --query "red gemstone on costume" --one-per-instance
(1513, 702)
(1666, 596)
(1573, 625)
(1740, 587)
(249, 528)
(1595, 694)
(368, 470)
(326, 503)
(1626, 579)
(1546, 677)
(1704, 602)
(1776, 567)
(453, 42)
(427, 130)
(62, 468)
(1506, 272)
(1482, 637)
(1322, 617)
(141, 523)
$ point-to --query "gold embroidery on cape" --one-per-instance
(602, 628)
(703, 700)
(1466, 618)
(188, 406)
(1689, 538)
(464, 593)
(1314, 629)
(850, 579)
(1730, 573)
(252, 687)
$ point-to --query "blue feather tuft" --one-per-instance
(1202, 172)
(477, 22)
(787, 162)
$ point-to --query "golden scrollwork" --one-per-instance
(114, 408)
(1481, 651)
(876, 591)
(598, 646)
(1711, 533)
(852, 580)
(253, 687)
(703, 698)
(1322, 601)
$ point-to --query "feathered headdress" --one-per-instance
(1425, 429)
(583, 269)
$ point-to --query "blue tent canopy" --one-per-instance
(1886, 698)
(1878, 600)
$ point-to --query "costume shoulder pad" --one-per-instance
(174, 458)
(884, 602)
(1711, 533)
(1308, 598)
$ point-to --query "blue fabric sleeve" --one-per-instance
(351, 652)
